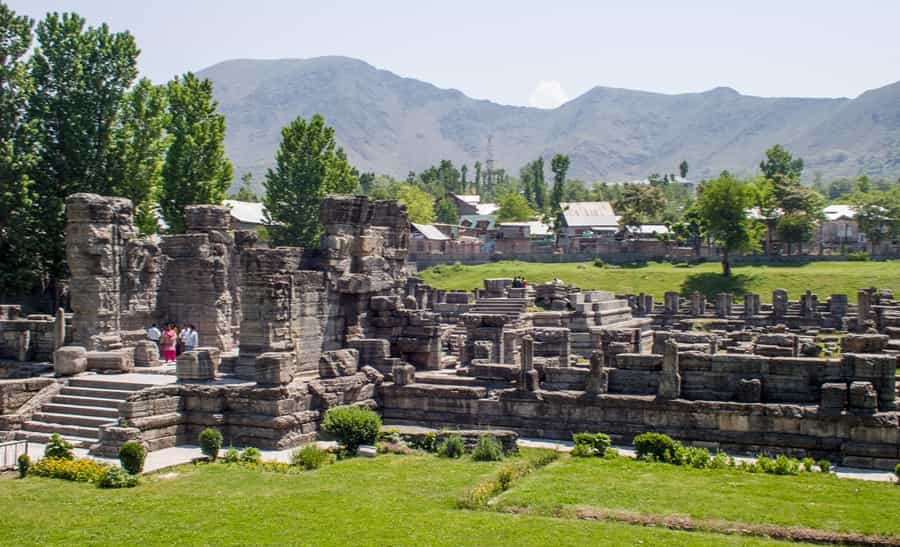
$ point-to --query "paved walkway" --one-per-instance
(178, 455)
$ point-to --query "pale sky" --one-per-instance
(526, 52)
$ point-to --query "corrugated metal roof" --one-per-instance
(588, 213)
(834, 212)
(248, 212)
(487, 208)
(535, 227)
(474, 199)
(430, 232)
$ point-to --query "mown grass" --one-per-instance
(823, 278)
(392, 500)
(808, 500)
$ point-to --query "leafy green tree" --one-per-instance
(419, 204)
(80, 75)
(463, 171)
(639, 204)
(308, 166)
(539, 187)
(683, 169)
(526, 177)
(780, 164)
(447, 211)
(559, 165)
(196, 169)
(366, 180)
(139, 150)
(478, 177)
(878, 215)
(722, 209)
(245, 192)
(576, 190)
(384, 187)
(514, 208)
(690, 229)
(20, 227)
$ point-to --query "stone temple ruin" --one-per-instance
(286, 333)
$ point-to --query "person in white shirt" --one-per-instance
(153, 334)
(190, 338)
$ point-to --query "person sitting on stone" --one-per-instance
(153, 334)
(167, 343)
(189, 335)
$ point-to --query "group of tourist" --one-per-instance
(519, 282)
(172, 341)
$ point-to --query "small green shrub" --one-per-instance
(582, 451)
(116, 477)
(310, 457)
(132, 455)
(428, 443)
(719, 461)
(210, 442)
(352, 426)
(786, 466)
(661, 447)
(24, 463)
(232, 455)
(611, 454)
(451, 447)
(251, 455)
(599, 263)
(488, 449)
(861, 256)
(597, 442)
(808, 464)
(59, 448)
(824, 466)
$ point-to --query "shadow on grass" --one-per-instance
(710, 284)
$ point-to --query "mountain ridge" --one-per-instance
(392, 124)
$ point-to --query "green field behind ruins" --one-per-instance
(412, 500)
(823, 278)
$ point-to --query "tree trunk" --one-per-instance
(726, 265)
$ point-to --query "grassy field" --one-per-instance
(392, 500)
(823, 278)
(808, 500)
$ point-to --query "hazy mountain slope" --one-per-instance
(389, 124)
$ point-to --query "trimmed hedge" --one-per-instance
(352, 426)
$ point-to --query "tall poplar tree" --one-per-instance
(539, 187)
(139, 144)
(308, 166)
(559, 165)
(20, 240)
(80, 75)
(196, 169)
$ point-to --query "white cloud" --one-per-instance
(548, 94)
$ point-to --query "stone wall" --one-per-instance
(858, 440)
(246, 414)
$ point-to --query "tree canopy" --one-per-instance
(722, 210)
(419, 204)
(308, 166)
(514, 208)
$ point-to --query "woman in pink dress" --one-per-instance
(167, 343)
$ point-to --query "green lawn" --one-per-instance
(392, 500)
(808, 500)
(823, 278)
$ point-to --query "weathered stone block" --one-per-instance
(275, 368)
(198, 365)
(864, 343)
(404, 374)
(114, 361)
(834, 398)
(342, 362)
(146, 354)
(749, 390)
(863, 397)
(69, 360)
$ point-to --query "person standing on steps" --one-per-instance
(153, 334)
(189, 336)
(167, 343)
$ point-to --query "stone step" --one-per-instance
(107, 384)
(55, 407)
(114, 394)
(44, 438)
(63, 429)
(81, 420)
(88, 401)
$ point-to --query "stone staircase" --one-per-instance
(511, 307)
(78, 411)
